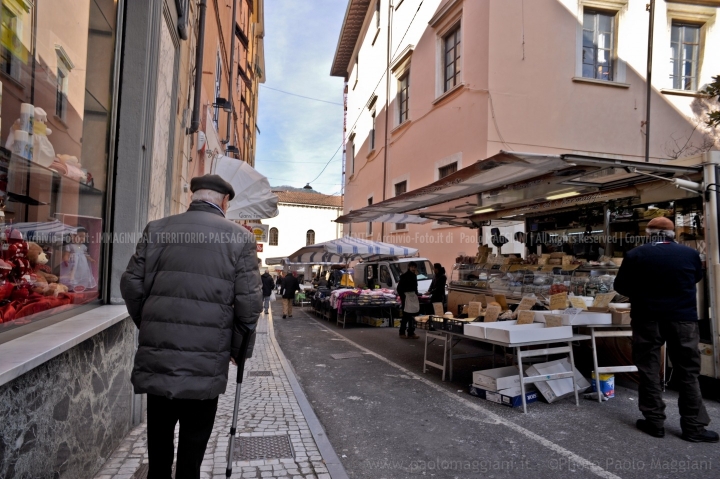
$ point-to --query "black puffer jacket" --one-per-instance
(193, 288)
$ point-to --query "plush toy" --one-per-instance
(6, 287)
(38, 262)
(15, 254)
(43, 151)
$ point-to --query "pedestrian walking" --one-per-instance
(279, 281)
(290, 286)
(407, 289)
(267, 288)
(194, 300)
(660, 279)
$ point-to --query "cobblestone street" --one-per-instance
(268, 407)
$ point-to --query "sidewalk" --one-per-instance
(273, 415)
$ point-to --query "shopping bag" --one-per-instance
(412, 303)
(272, 296)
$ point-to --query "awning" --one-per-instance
(254, 200)
(513, 179)
(344, 250)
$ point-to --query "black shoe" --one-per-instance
(284, 316)
(266, 312)
(705, 436)
(648, 428)
(290, 316)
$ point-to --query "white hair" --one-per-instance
(210, 196)
(670, 234)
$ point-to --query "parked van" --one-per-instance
(385, 273)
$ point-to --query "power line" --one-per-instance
(376, 86)
(302, 96)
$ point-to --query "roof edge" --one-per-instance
(335, 69)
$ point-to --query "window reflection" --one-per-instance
(56, 72)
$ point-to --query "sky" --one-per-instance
(298, 136)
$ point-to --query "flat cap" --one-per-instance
(212, 182)
(661, 223)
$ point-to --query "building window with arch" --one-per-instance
(310, 238)
(273, 236)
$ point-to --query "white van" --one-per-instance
(386, 273)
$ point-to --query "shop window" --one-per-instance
(684, 51)
(310, 238)
(55, 137)
(598, 47)
(273, 236)
(404, 97)
(447, 170)
(451, 63)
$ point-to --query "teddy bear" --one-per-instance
(38, 261)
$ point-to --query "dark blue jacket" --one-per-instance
(660, 278)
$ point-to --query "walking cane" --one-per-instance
(240, 368)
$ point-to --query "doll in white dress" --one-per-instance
(75, 270)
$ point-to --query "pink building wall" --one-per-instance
(538, 103)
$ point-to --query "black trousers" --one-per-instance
(407, 322)
(196, 422)
(682, 339)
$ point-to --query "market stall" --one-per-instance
(580, 215)
(342, 297)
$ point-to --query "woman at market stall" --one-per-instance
(437, 287)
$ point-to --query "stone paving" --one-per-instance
(268, 407)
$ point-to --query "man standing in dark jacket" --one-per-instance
(659, 278)
(267, 288)
(193, 289)
(407, 286)
(289, 286)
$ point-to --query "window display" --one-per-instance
(56, 75)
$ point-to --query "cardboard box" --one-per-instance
(505, 400)
(556, 389)
(584, 318)
(477, 330)
(528, 333)
(497, 379)
(621, 316)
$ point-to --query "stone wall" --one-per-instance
(64, 418)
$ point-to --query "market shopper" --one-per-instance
(659, 278)
(407, 289)
(437, 286)
(279, 281)
(267, 288)
(289, 287)
(194, 301)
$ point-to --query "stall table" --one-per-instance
(519, 353)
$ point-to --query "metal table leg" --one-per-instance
(522, 381)
(595, 365)
(572, 367)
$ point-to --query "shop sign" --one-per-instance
(261, 233)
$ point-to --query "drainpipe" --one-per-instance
(230, 73)
(651, 7)
(195, 125)
(387, 110)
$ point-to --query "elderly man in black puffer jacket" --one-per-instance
(193, 288)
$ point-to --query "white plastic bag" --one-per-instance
(272, 296)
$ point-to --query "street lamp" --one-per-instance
(223, 103)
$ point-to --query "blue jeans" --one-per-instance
(266, 303)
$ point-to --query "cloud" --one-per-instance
(298, 136)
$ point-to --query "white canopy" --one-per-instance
(254, 200)
(344, 250)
